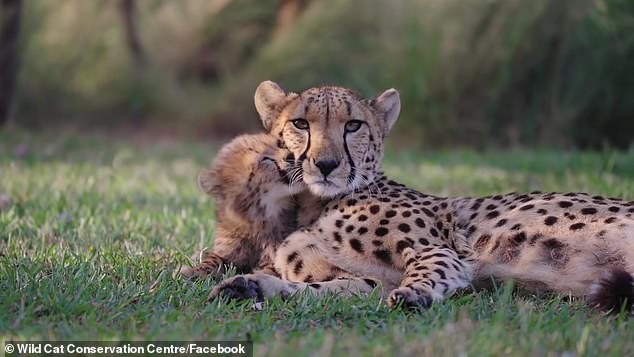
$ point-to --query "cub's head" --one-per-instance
(249, 168)
(334, 136)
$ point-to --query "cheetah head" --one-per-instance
(336, 138)
(247, 167)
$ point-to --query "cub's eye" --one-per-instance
(300, 124)
(353, 125)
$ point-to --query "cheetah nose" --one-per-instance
(326, 166)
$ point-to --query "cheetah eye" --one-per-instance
(353, 125)
(301, 124)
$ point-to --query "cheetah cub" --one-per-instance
(257, 201)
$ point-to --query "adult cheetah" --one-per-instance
(420, 248)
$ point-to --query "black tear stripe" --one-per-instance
(353, 168)
(302, 157)
(327, 108)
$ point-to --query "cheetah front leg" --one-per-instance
(259, 286)
(430, 275)
(303, 264)
(212, 265)
(227, 251)
(208, 264)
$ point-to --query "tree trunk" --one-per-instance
(287, 13)
(9, 35)
(129, 15)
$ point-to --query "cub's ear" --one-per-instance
(388, 106)
(269, 99)
(206, 182)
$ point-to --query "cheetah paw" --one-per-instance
(239, 287)
(186, 272)
(409, 298)
(199, 272)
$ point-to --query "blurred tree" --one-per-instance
(128, 10)
(287, 13)
(217, 7)
(9, 34)
(230, 38)
(494, 73)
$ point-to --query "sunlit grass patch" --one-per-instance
(92, 231)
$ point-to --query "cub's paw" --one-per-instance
(206, 265)
(409, 298)
(186, 272)
(200, 272)
(255, 286)
(239, 287)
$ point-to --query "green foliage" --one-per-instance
(91, 229)
(241, 30)
(499, 73)
(601, 79)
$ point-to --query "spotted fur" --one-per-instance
(257, 199)
(418, 248)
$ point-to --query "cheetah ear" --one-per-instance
(206, 181)
(388, 106)
(269, 99)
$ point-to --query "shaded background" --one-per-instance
(483, 74)
(116, 105)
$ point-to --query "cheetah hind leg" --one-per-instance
(259, 286)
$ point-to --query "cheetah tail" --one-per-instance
(613, 291)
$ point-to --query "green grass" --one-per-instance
(96, 226)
